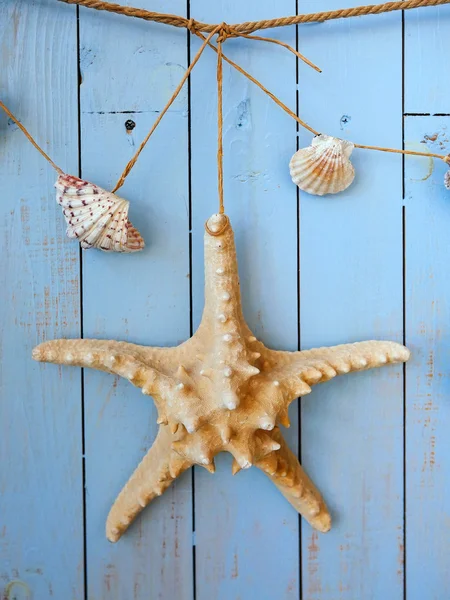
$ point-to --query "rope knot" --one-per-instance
(225, 32)
(192, 26)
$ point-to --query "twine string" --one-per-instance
(252, 26)
(220, 126)
(280, 43)
(445, 158)
(260, 85)
(224, 32)
(30, 138)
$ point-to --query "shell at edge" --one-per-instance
(324, 167)
(95, 217)
(447, 180)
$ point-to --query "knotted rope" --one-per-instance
(251, 26)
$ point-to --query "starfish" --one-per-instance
(220, 391)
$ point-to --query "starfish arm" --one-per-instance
(157, 470)
(299, 370)
(118, 358)
(96, 354)
(284, 469)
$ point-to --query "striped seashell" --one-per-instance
(447, 180)
(97, 218)
(324, 167)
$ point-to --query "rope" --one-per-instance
(251, 26)
(225, 31)
(30, 138)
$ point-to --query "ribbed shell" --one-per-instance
(324, 167)
(97, 218)
(447, 180)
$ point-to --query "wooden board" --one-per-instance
(350, 290)
(41, 485)
(314, 271)
(142, 298)
(427, 406)
(244, 527)
(426, 206)
(425, 41)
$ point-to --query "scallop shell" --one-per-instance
(324, 167)
(447, 180)
(95, 217)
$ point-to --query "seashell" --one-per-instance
(324, 167)
(97, 218)
(447, 180)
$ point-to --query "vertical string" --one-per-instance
(219, 127)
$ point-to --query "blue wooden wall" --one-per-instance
(369, 263)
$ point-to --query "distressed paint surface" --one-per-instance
(41, 486)
(144, 297)
(426, 35)
(427, 383)
(255, 536)
(247, 539)
(427, 309)
(351, 289)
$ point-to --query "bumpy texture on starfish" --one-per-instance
(222, 390)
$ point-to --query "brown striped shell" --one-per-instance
(95, 217)
(324, 167)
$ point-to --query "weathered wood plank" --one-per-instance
(426, 200)
(41, 486)
(246, 532)
(247, 536)
(351, 289)
(426, 42)
(427, 406)
(142, 297)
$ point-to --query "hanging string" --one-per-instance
(244, 29)
(260, 85)
(30, 138)
(240, 30)
(445, 158)
(280, 43)
(220, 126)
(133, 161)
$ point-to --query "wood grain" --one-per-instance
(246, 533)
(427, 406)
(142, 298)
(351, 289)
(41, 486)
(426, 34)
(335, 274)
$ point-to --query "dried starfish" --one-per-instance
(221, 390)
